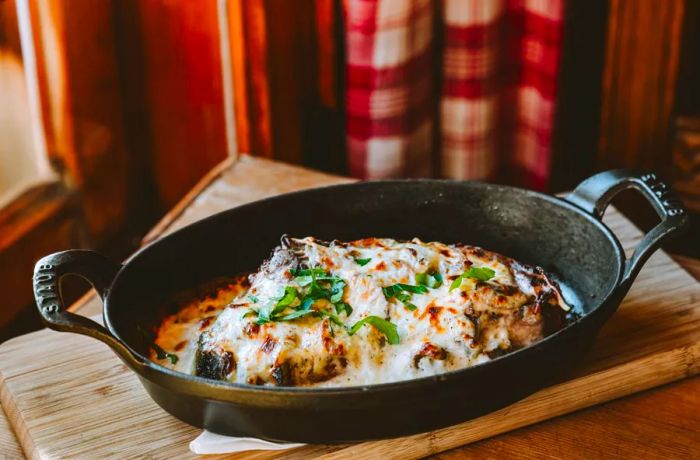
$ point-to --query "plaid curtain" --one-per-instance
(459, 88)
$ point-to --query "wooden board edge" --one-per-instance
(16, 422)
(182, 205)
(641, 374)
(9, 445)
(690, 265)
(82, 301)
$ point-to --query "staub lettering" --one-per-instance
(45, 289)
(671, 205)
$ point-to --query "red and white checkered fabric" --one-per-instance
(499, 61)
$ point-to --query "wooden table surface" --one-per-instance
(659, 423)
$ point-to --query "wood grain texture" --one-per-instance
(239, 73)
(68, 395)
(9, 446)
(662, 423)
(639, 82)
(257, 77)
(40, 221)
(79, 87)
(184, 92)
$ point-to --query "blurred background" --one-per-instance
(111, 110)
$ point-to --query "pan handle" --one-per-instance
(595, 193)
(98, 271)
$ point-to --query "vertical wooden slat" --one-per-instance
(239, 70)
(228, 89)
(324, 141)
(287, 71)
(9, 30)
(184, 93)
(256, 47)
(639, 79)
(52, 73)
(292, 67)
(326, 33)
(78, 79)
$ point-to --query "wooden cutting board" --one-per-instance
(68, 396)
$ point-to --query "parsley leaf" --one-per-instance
(479, 273)
(385, 327)
(252, 298)
(363, 262)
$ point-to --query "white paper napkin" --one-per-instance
(212, 443)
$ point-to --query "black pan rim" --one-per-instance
(235, 388)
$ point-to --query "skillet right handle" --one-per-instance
(594, 194)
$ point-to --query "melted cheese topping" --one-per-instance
(449, 329)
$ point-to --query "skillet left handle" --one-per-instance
(595, 193)
(96, 269)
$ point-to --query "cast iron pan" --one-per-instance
(564, 236)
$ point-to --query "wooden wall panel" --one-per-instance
(292, 63)
(9, 30)
(81, 101)
(39, 222)
(287, 66)
(327, 33)
(258, 77)
(641, 65)
(239, 72)
(184, 94)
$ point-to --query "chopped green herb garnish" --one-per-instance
(401, 292)
(263, 316)
(363, 262)
(295, 314)
(314, 284)
(331, 316)
(337, 290)
(343, 307)
(431, 280)
(306, 303)
(391, 291)
(478, 273)
(385, 327)
(252, 298)
(308, 272)
(162, 354)
(290, 294)
(405, 298)
(287, 299)
(304, 280)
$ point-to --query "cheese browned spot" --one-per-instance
(241, 334)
